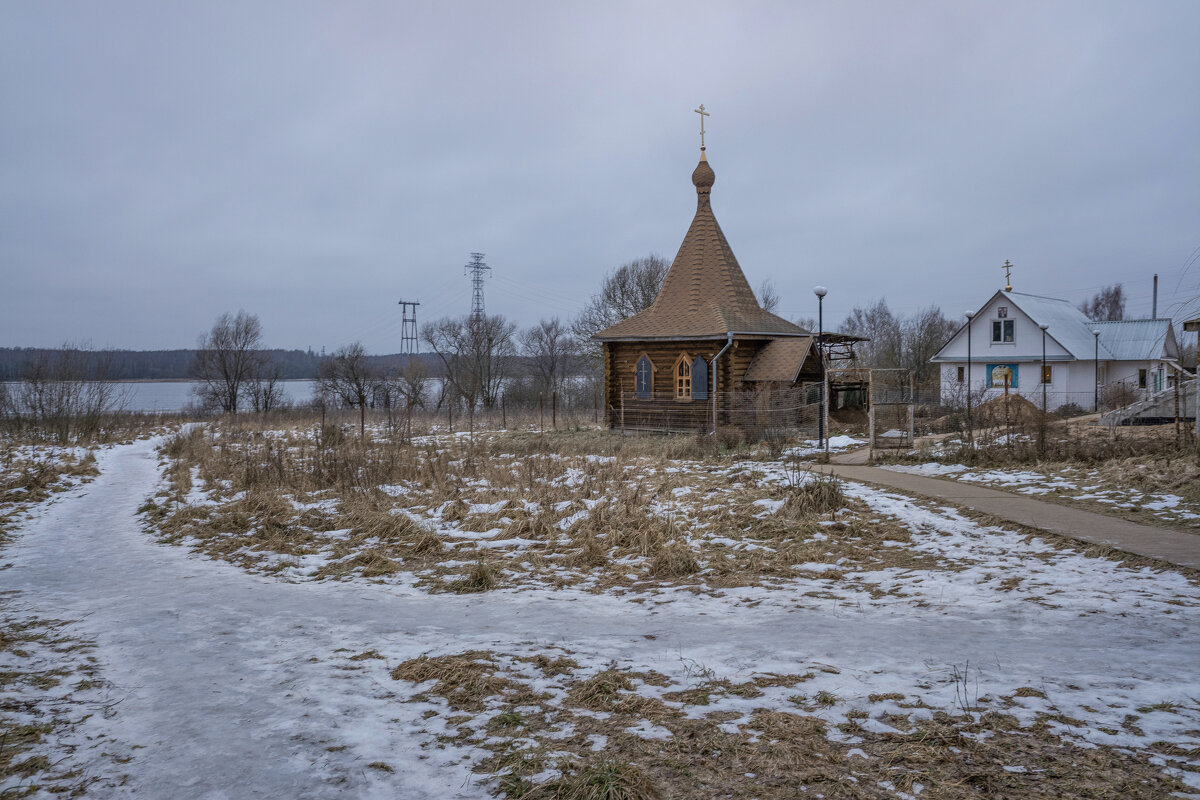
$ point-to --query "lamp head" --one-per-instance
(820, 291)
(969, 314)
(1043, 326)
(1096, 333)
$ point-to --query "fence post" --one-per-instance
(541, 415)
(825, 406)
(912, 409)
(1178, 426)
(870, 418)
(450, 416)
(622, 416)
(503, 414)
(595, 405)
(554, 410)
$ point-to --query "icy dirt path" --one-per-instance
(231, 686)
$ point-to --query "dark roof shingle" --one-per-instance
(705, 292)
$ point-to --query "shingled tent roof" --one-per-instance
(705, 293)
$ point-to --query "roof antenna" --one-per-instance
(1007, 275)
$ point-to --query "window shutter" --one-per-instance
(699, 379)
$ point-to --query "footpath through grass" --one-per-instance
(680, 523)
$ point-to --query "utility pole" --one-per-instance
(408, 327)
(478, 270)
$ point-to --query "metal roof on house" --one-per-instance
(705, 293)
(1137, 339)
(1069, 326)
(1120, 340)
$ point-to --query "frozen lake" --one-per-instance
(177, 395)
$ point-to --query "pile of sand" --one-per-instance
(1020, 411)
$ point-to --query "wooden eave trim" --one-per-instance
(704, 337)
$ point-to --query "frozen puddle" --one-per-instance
(238, 685)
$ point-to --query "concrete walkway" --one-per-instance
(1174, 547)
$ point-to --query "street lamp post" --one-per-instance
(820, 292)
(1042, 426)
(970, 315)
(1096, 399)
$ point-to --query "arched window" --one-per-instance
(644, 382)
(699, 379)
(683, 378)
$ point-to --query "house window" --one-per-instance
(1142, 378)
(997, 373)
(961, 373)
(699, 378)
(683, 379)
(645, 378)
(1002, 312)
(1002, 331)
(1048, 374)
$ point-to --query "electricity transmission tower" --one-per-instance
(477, 269)
(408, 327)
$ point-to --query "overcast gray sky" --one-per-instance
(314, 163)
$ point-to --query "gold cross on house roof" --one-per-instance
(1007, 271)
(702, 114)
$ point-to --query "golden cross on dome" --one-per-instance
(702, 114)
(1007, 272)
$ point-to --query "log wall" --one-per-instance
(663, 411)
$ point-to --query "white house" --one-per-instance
(1006, 339)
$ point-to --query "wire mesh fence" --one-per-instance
(892, 401)
(770, 413)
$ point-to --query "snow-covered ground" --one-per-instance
(233, 684)
(1072, 483)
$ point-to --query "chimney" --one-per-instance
(1154, 307)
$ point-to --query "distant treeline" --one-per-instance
(165, 365)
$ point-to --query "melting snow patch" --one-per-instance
(648, 730)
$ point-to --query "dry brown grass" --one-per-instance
(769, 752)
(636, 520)
(592, 779)
(594, 523)
(31, 474)
(465, 680)
(38, 660)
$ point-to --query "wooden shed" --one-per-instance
(705, 353)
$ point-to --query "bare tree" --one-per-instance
(922, 335)
(1106, 304)
(64, 394)
(549, 349)
(349, 376)
(906, 342)
(404, 390)
(227, 358)
(477, 355)
(768, 296)
(264, 390)
(628, 290)
(879, 325)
